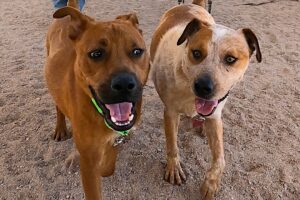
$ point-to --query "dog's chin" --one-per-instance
(120, 116)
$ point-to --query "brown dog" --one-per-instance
(106, 62)
(195, 63)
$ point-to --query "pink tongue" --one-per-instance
(120, 111)
(205, 107)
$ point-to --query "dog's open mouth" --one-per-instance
(120, 116)
(121, 113)
(204, 107)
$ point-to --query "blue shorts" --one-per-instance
(63, 3)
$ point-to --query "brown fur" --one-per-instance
(73, 3)
(69, 71)
(199, 2)
(175, 16)
(201, 31)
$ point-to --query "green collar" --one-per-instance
(122, 133)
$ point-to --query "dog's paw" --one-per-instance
(209, 188)
(61, 134)
(174, 173)
(72, 162)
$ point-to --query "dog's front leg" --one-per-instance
(174, 173)
(61, 131)
(214, 131)
(90, 177)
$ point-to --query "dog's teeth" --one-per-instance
(122, 123)
(113, 120)
(131, 117)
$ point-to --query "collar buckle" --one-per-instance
(120, 140)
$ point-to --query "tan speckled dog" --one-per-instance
(195, 63)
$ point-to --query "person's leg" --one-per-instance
(81, 4)
(59, 3)
(63, 3)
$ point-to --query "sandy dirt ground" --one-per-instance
(262, 116)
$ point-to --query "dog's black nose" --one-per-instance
(204, 87)
(123, 82)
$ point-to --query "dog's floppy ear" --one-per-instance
(132, 18)
(252, 43)
(78, 20)
(189, 30)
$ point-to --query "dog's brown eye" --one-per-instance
(137, 52)
(197, 54)
(96, 54)
(230, 60)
